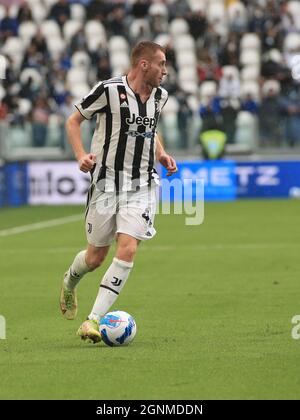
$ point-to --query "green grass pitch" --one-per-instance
(213, 305)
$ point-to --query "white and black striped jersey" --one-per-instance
(123, 140)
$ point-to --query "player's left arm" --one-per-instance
(163, 158)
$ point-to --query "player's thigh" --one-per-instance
(100, 222)
(136, 216)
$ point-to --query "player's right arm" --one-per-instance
(85, 160)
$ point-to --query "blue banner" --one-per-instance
(15, 184)
(228, 180)
(2, 186)
(219, 180)
(268, 179)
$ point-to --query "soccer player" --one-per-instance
(122, 196)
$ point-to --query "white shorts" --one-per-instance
(130, 212)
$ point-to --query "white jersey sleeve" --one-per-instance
(94, 102)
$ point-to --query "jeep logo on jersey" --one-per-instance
(145, 121)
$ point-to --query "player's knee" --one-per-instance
(94, 261)
(127, 252)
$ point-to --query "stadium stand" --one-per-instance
(231, 58)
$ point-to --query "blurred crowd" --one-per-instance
(230, 87)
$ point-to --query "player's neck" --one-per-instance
(138, 84)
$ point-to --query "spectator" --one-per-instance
(24, 13)
(197, 24)
(210, 112)
(270, 114)
(104, 69)
(208, 68)
(40, 119)
(250, 104)
(229, 87)
(117, 24)
(229, 52)
(184, 115)
(8, 26)
(140, 9)
(99, 10)
(229, 110)
(291, 110)
(60, 12)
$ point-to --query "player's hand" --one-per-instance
(169, 163)
(86, 162)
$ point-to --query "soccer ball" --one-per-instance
(117, 328)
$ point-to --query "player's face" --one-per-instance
(157, 69)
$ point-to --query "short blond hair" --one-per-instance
(145, 49)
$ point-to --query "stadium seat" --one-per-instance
(71, 28)
(291, 42)
(269, 85)
(118, 71)
(246, 130)
(186, 59)
(197, 5)
(33, 74)
(163, 39)
(96, 43)
(13, 10)
(120, 61)
(27, 30)
(54, 131)
(158, 9)
(49, 3)
(169, 123)
(234, 8)
(187, 74)
(294, 8)
(178, 27)
(14, 48)
(76, 75)
(39, 12)
(190, 86)
(184, 43)
(250, 88)
(50, 29)
(19, 136)
(139, 28)
(94, 29)
(78, 12)
(24, 106)
(80, 59)
(249, 58)
(193, 103)
(56, 46)
(275, 55)
(232, 71)
(2, 12)
(79, 90)
(250, 73)
(216, 11)
(207, 89)
(250, 42)
(118, 44)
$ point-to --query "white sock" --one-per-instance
(77, 270)
(111, 285)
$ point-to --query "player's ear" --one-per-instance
(144, 64)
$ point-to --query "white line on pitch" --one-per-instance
(41, 225)
(164, 248)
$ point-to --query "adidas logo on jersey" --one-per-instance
(145, 121)
(124, 105)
